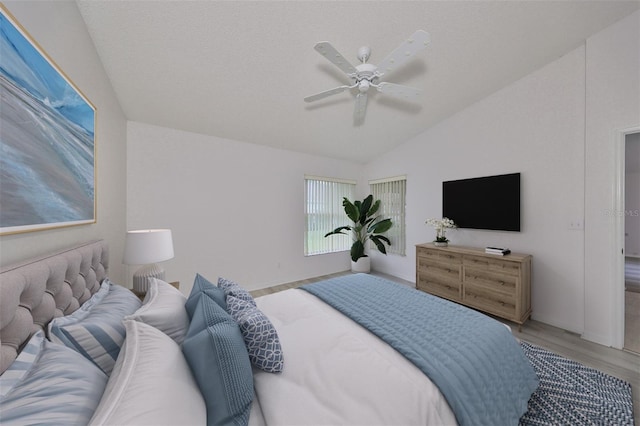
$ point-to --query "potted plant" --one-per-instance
(441, 226)
(366, 226)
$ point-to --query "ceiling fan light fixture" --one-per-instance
(365, 75)
(363, 86)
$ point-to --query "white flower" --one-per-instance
(440, 226)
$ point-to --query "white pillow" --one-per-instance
(151, 383)
(163, 308)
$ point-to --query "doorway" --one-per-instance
(631, 226)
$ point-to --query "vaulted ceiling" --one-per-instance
(240, 69)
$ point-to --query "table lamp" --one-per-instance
(146, 247)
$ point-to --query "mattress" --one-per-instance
(377, 384)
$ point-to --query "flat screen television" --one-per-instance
(489, 202)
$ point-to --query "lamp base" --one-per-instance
(142, 277)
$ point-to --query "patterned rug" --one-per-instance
(573, 394)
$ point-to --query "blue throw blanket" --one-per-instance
(473, 359)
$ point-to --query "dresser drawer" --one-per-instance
(441, 270)
(440, 266)
(439, 286)
(496, 265)
(492, 281)
(439, 255)
(501, 304)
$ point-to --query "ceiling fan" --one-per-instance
(364, 76)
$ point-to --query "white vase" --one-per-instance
(363, 265)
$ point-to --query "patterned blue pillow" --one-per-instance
(49, 384)
(97, 333)
(218, 359)
(202, 286)
(259, 334)
(233, 289)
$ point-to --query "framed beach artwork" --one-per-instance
(47, 139)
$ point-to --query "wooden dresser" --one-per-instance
(498, 285)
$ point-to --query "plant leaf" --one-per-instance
(379, 244)
(374, 208)
(351, 209)
(357, 250)
(380, 227)
(364, 208)
(382, 237)
(339, 231)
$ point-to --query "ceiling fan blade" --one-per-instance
(360, 108)
(328, 51)
(326, 93)
(398, 90)
(404, 52)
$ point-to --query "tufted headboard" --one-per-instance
(34, 292)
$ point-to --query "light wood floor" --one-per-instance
(622, 364)
(632, 321)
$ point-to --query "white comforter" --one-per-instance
(338, 373)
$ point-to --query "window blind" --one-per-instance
(392, 195)
(324, 213)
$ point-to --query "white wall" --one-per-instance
(235, 209)
(612, 104)
(536, 127)
(59, 29)
(557, 127)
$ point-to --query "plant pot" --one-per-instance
(363, 265)
(440, 244)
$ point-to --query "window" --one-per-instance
(392, 195)
(324, 213)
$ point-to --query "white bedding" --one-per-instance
(337, 372)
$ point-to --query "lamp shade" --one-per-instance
(148, 246)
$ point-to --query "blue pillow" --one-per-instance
(97, 333)
(259, 334)
(202, 286)
(218, 359)
(206, 312)
(50, 384)
(234, 289)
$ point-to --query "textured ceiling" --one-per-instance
(240, 69)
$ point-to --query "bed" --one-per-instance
(79, 349)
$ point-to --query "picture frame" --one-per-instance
(47, 143)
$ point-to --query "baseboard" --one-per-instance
(585, 335)
(597, 338)
(557, 324)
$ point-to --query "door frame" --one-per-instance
(618, 239)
